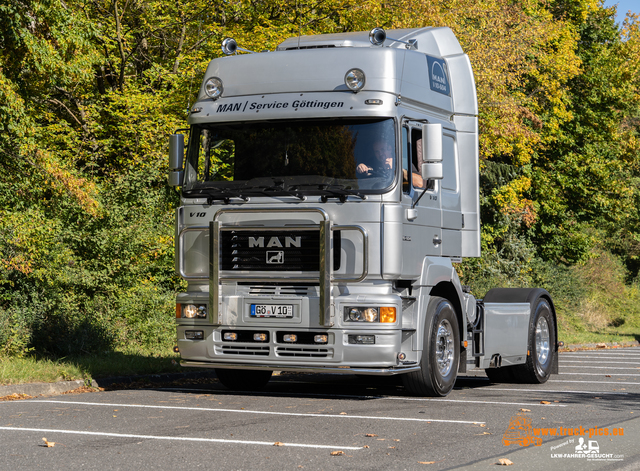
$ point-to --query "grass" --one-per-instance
(35, 369)
(609, 309)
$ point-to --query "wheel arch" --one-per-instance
(447, 290)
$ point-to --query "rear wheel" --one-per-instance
(542, 339)
(243, 380)
(440, 353)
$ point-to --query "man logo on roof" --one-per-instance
(438, 78)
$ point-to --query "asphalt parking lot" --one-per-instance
(311, 421)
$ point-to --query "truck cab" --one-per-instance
(328, 188)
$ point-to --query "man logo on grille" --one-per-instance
(275, 257)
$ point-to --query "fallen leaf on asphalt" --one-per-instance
(15, 397)
(343, 413)
(337, 453)
(607, 376)
(545, 402)
(426, 462)
(278, 444)
(391, 447)
(504, 462)
(484, 433)
(47, 443)
(483, 425)
(525, 410)
(601, 345)
(365, 446)
(370, 435)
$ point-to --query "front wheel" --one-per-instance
(243, 380)
(440, 353)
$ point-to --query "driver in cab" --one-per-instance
(384, 161)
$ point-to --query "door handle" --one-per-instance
(437, 240)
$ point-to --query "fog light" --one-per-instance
(320, 338)
(194, 334)
(189, 311)
(290, 338)
(362, 339)
(388, 314)
(230, 336)
(402, 356)
(260, 337)
(202, 311)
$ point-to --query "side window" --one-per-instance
(406, 156)
(416, 159)
(449, 164)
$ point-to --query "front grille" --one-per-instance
(305, 352)
(240, 350)
(277, 289)
(284, 250)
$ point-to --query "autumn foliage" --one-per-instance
(89, 91)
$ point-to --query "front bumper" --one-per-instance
(304, 369)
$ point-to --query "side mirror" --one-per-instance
(176, 157)
(432, 151)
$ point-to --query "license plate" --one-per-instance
(271, 310)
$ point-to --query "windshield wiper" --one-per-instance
(337, 191)
(279, 188)
(226, 194)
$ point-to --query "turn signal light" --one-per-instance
(388, 314)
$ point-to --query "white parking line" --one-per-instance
(244, 411)
(601, 374)
(536, 391)
(604, 367)
(590, 382)
(174, 438)
(599, 354)
(601, 357)
(475, 402)
(601, 362)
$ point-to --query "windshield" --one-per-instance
(330, 158)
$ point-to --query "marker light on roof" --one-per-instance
(354, 80)
(213, 87)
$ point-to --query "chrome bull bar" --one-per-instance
(324, 277)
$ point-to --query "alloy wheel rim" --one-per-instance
(444, 347)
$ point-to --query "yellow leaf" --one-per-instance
(337, 453)
(525, 410)
(278, 444)
(48, 444)
(505, 462)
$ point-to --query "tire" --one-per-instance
(440, 353)
(542, 340)
(243, 380)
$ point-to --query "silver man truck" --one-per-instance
(327, 189)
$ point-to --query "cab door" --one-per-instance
(422, 231)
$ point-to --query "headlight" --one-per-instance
(213, 87)
(191, 311)
(361, 314)
(354, 80)
(370, 314)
